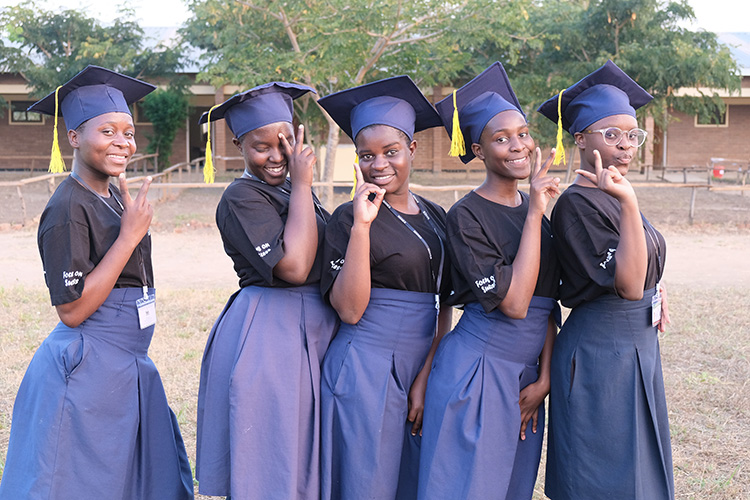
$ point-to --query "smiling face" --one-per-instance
(620, 155)
(263, 153)
(103, 145)
(506, 146)
(385, 157)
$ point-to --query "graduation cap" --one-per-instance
(396, 102)
(467, 111)
(262, 105)
(605, 92)
(92, 92)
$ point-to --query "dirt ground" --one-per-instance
(705, 352)
(711, 251)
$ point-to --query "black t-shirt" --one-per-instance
(483, 241)
(586, 226)
(251, 217)
(76, 230)
(398, 259)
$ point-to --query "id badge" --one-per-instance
(146, 309)
(656, 307)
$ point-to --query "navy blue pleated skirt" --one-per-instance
(91, 419)
(259, 399)
(472, 419)
(367, 447)
(608, 427)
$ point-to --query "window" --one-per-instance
(139, 115)
(18, 113)
(715, 119)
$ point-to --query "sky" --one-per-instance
(712, 15)
(149, 13)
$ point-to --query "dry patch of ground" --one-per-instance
(705, 351)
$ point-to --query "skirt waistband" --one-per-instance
(395, 318)
(612, 302)
(497, 335)
(116, 321)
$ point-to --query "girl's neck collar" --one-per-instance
(96, 183)
(503, 193)
(403, 202)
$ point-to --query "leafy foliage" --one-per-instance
(167, 111)
(332, 45)
(646, 38)
(48, 47)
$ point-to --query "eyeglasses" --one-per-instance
(613, 136)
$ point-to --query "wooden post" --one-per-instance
(691, 216)
(219, 138)
(23, 203)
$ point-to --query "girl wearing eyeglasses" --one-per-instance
(608, 427)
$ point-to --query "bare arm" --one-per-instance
(526, 264)
(350, 292)
(630, 256)
(532, 396)
(419, 386)
(301, 229)
(136, 219)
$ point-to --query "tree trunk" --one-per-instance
(326, 193)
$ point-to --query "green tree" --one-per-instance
(48, 47)
(646, 38)
(167, 111)
(327, 44)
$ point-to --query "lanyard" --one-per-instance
(429, 220)
(318, 209)
(112, 194)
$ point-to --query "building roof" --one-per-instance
(169, 37)
(739, 45)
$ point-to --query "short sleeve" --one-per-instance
(65, 252)
(483, 266)
(254, 229)
(338, 232)
(587, 241)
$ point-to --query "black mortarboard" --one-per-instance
(262, 105)
(605, 92)
(268, 103)
(92, 92)
(473, 105)
(396, 102)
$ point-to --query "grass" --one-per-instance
(705, 352)
(705, 356)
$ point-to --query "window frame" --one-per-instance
(11, 112)
(723, 124)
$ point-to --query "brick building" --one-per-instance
(25, 138)
(692, 142)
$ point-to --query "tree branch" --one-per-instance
(265, 10)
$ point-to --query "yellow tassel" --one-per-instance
(354, 171)
(458, 145)
(56, 162)
(208, 167)
(559, 148)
